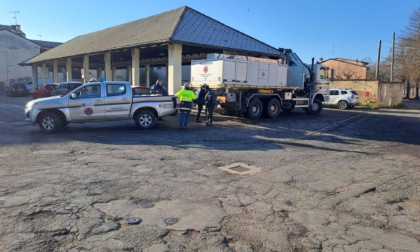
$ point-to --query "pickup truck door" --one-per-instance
(88, 104)
(117, 101)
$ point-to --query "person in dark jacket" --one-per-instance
(211, 102)
(200, 101)
(158, 88)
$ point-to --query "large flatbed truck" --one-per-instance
(252, 87)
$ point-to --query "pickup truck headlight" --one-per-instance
(30, 105)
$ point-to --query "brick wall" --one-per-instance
(345, 71)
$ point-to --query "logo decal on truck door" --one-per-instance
(88, 111)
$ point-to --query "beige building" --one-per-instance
(345, 69)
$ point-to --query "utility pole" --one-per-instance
(378, 61)
(15, 12)
(391, 79)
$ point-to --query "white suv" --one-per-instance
(343, 98)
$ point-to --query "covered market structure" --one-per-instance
(170, 39)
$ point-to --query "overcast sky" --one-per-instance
(328, 29)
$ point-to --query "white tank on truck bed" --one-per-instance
(221, 70)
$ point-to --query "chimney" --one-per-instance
(16, 29)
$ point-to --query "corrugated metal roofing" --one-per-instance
(199, 29)
(183, 25)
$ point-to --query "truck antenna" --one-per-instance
(15, 12)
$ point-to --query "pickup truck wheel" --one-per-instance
(342, 105)
(145, 119)
(315, 108)
(50, 122)
(255, 109)
(273, 108)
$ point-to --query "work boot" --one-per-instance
(198, 121)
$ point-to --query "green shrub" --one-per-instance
(369, 105)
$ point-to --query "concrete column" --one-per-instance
(174, 68)
(98, 73)
(108, 71)
(148, 75)
(135, 66)
(86, 67)
(44, 74)
(114, 73)
(34, 77)
(69, 70)
(130, 75)
(55, 71)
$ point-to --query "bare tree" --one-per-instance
(408, 54)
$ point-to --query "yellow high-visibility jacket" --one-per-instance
(186, 95)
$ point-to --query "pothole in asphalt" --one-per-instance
(147, 204)
(241, 169)
(132, 221)
(171, 221)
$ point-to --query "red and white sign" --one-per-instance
(88, 111)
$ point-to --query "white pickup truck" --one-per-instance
(99, 101)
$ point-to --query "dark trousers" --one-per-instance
(184, 118)
(210, 113)
(199, 109)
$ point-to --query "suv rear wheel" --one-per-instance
(342, 105)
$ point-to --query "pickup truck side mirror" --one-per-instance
(73, 96)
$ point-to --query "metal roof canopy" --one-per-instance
(197, 33)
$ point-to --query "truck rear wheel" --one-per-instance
(273, 108)
(145, 119)
(315, 108)
(255, 109)
(50, 122)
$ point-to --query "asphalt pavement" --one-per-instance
(339, 181)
